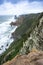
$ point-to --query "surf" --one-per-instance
(5, 34)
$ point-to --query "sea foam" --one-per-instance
(5, 34)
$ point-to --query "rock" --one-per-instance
(39, 62)
(19, 20)
(35, 40)
(14, 24)
(33, 58)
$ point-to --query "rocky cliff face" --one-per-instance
(18, 21)
(35, 41)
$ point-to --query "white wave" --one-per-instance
(5, 34)
(14, 29)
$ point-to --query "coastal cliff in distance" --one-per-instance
(19, 21)
(27, 48)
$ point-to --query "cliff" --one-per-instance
(19, 21)
(29, 36)
(35, 40)
(27, 23)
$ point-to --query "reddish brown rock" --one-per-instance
(33, 58)
(14, 23)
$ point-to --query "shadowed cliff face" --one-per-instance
(33, 58)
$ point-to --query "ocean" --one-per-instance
(5, 31)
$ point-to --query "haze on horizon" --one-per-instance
(17, 7)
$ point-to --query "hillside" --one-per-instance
(28, 22)
(24, 37)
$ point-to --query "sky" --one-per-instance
(18, 7)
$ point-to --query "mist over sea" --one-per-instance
(5, 31)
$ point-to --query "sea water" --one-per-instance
(5, 31)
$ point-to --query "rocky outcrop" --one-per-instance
(18, 21)
(14, 24)
(33, 58)
(35, 40)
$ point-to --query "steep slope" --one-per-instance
(27, 22)
(22, 33)
(35, 40)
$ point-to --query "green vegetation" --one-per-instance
(22, 33)
(29, 22)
